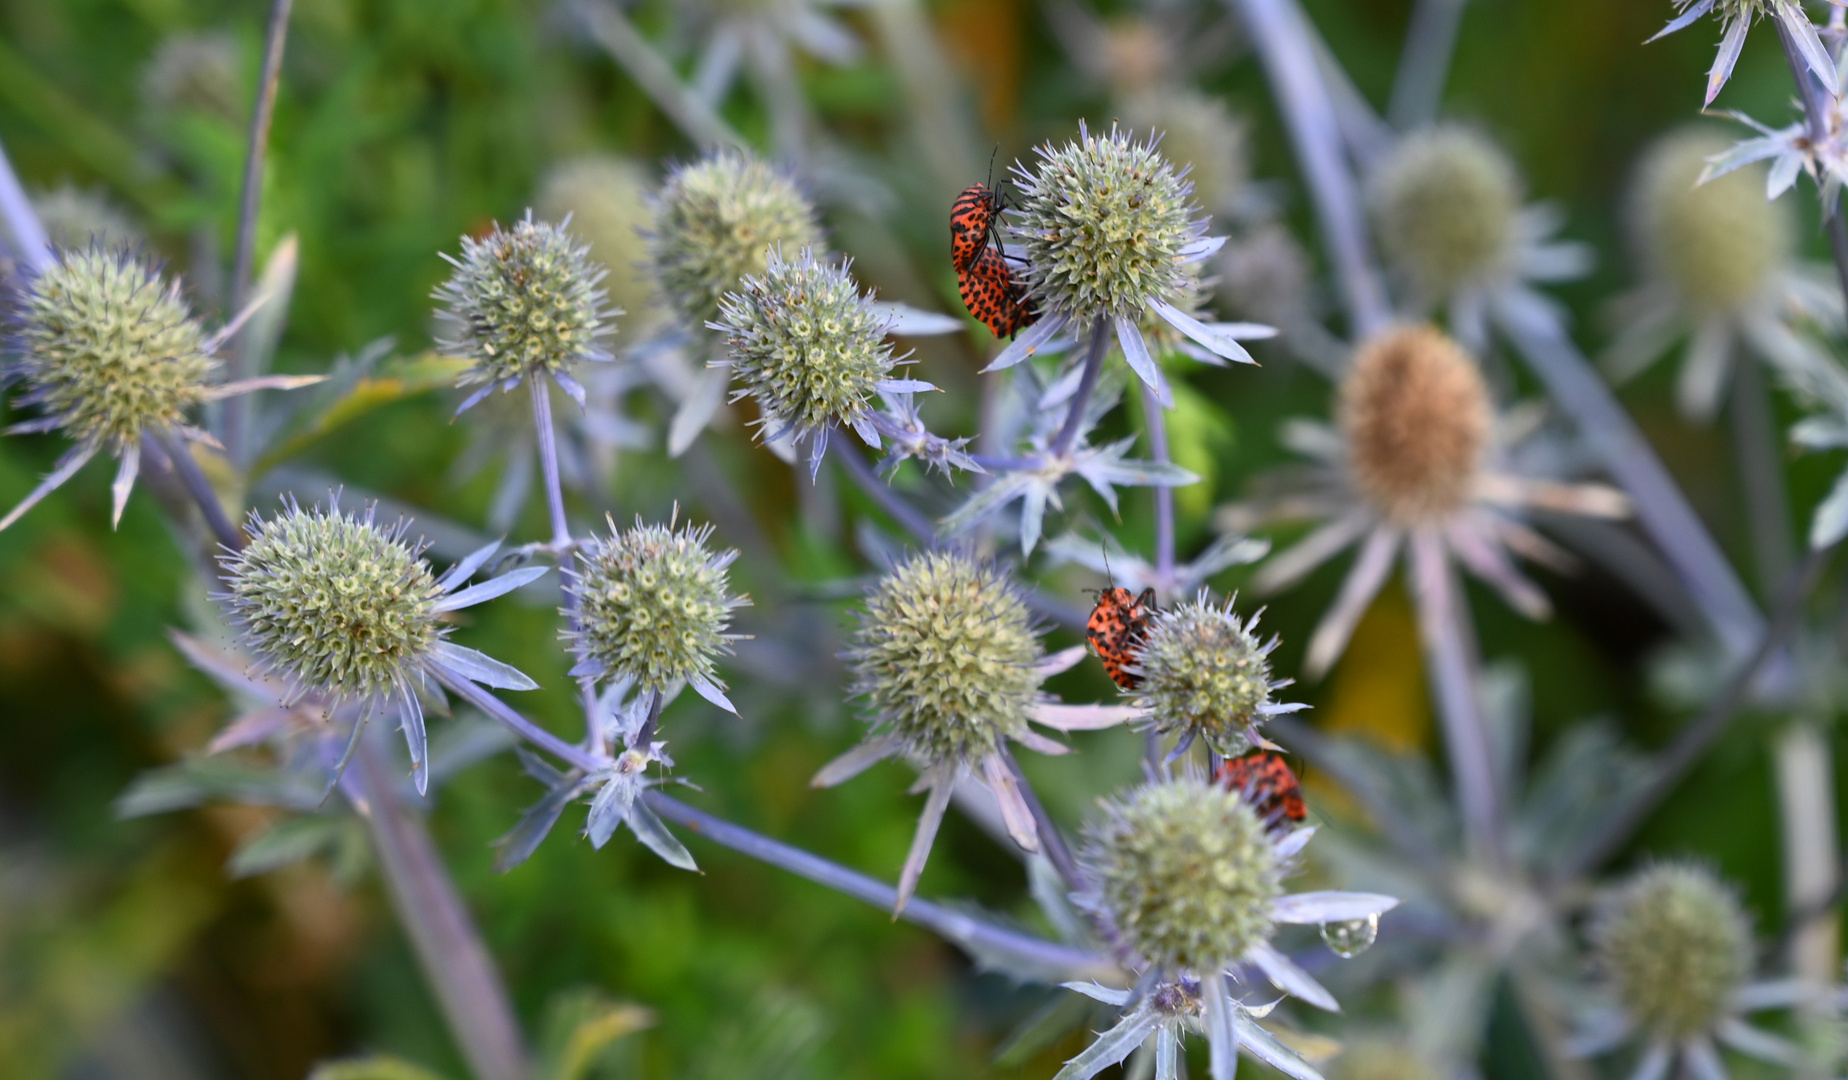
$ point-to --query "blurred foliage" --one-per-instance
(128, 950)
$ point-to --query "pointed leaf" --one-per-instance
(479, 667)
(532, 828)
(488, 590)
(650, 830)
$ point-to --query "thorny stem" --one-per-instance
(1308, 112)
(1430, 42)
(30, 244)
(1081, 400)
(250, 202)
(1154, 416)
(1453, 676)
(979, 938)
(905, 514)
(561, 540)
(1816, 112)
(696, 119)
(1674, 762)
(447, 942)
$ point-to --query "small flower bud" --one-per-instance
(1444, 205)
(107, 347)
(716, 221)
(1185, 872)
(1204, 672)
(1676, 946)
(1102, 223)
(524, 300)
(1715, 244)
(653, 606)
(805, 344)
(335, 603)
(945, 657)
(606, 201)
(1417, 418)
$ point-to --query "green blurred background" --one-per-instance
(127, 951)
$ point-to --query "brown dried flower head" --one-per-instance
(1416, 415)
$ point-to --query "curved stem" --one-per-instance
(449, 948)
(1087, 385)
(250, 202)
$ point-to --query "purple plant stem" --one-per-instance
(1451, 662)
(974, 935)
(1424, 66)
(462, 975)
(1289, 58)
(1157, 420)
(200, 489)
(31, 246)
(909, 517)
(1087, 385)
(561, 541)
(250, 204)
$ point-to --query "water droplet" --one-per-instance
(1349, 938)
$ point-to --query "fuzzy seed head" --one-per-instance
(1417, 418)
(1102, 224)
(335, 603)
(1717, 244)
(524, 300)
(944, 656)
(653, 605)
(1444, 205)
(1204, 670)
(716, 222)
(606, 199)
(1186, 873)
(804, 343)
(1676, 945)
(77, 217)
(106, 345)
(1200, 130)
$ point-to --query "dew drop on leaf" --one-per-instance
(1348, 938)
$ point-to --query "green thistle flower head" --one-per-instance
(1676, 946)
(76, 217)
(1101, 226)
(805, 344)
(653, 606)
(524, 300)
(335, 603)
(605, 199)
(1444, 204)
(945, 656)
(107, 348)
(1206, 673)
(1185, 872)
(716, 222)
(1715, 244)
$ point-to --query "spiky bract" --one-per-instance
(107, 346)
(716, 221)
(805, 344)
(523, 300)
(336, 603)
(653, 605)
(1102, 223)
(945, 656)
(1444, 205)
(1185, 872)
(1676, 945)
(1417, 417)
(605, 198)
(1716, 244)
(1205, 672)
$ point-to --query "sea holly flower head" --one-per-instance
(603, 200)
(1444, 203)
(716, 221)
(1190, 880)
(949, 665)
(654, 607)
(1104, 228)
(1675, 949)
(1206, 674)
(348, 611)
(810, 349)
(1736, 17)
(525, 301)
(108, 352)
(1416, 414)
